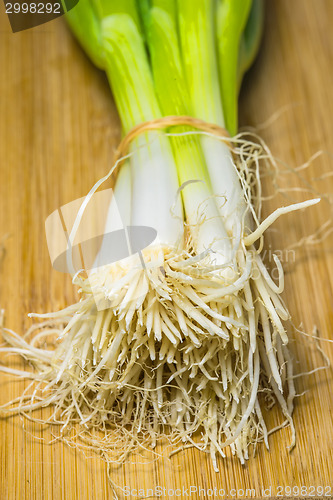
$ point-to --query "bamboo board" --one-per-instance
(59, 128)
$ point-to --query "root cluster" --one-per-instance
(176, 348)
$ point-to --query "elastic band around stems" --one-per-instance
(169, 121)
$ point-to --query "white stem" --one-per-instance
(155, 185)
(225, 182)
(119, 212)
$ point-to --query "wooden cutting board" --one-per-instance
(59, 128)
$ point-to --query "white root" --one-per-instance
(182, 347)
(183, 371)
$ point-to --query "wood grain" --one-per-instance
(59, 128)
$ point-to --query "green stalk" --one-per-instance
(231, 20)
(169, 6)
(251, 38)
(128, 71)
(145, 6)
(174, 98)
(197, 37)
(152, 163)
(107, 8)
(84, 22)
(126, 64)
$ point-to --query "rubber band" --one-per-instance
(169, 121)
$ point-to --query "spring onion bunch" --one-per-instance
(186, 342)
